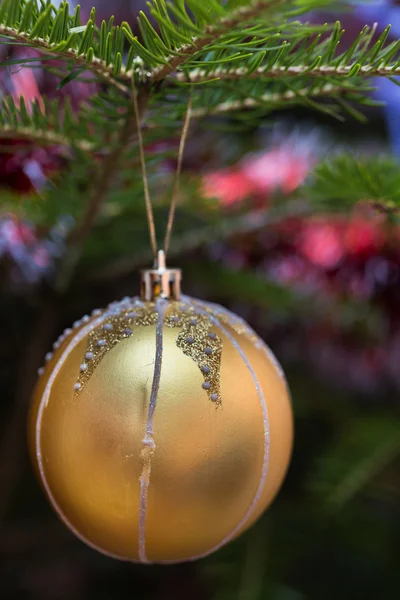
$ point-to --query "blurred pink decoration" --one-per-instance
(322, 244)
(325, 242)
(281, 169)
(24, 84)
(230, 186)
(364, 238)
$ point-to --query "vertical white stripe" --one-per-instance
(43, 403)
(263, 405)
(148, 443)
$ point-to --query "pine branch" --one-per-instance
(278, 61)
(54, 125)
(42, 138)
(346, 180)
(60, 35)
(197, 46)
(94, 65)
(212, 33)
(311, 56)
(183, 35)
(270, 101)
(200, 76)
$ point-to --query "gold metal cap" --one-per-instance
(160, 281)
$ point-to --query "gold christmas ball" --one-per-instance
(160, 430)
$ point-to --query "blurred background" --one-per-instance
(323, 291)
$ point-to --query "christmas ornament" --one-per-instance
(161, 427)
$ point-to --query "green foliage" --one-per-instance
(299, 49)
(52, 124)
(345, 180)
(363, 450)
(40, 22)
(258, 43)
(197, 34)
(241, 59)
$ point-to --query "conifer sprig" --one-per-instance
(249, 57)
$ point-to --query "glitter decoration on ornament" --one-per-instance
(195, 339)
(227, 317)
(113, 330)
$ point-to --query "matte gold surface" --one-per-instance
(208, 476)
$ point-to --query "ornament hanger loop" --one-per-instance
(160, 282)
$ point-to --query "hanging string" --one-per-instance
(175, 192)
(149, 208)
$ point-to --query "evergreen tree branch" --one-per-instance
(271, 100)
(345, 180)
(42, 138)
(212, 33)
(93, 64)
(202, 76)
(50, 122)
(196, 43)
(306, 54)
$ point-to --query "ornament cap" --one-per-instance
(160, 282)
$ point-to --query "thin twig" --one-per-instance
(44, 138)
(270, 99)
(203, 76)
